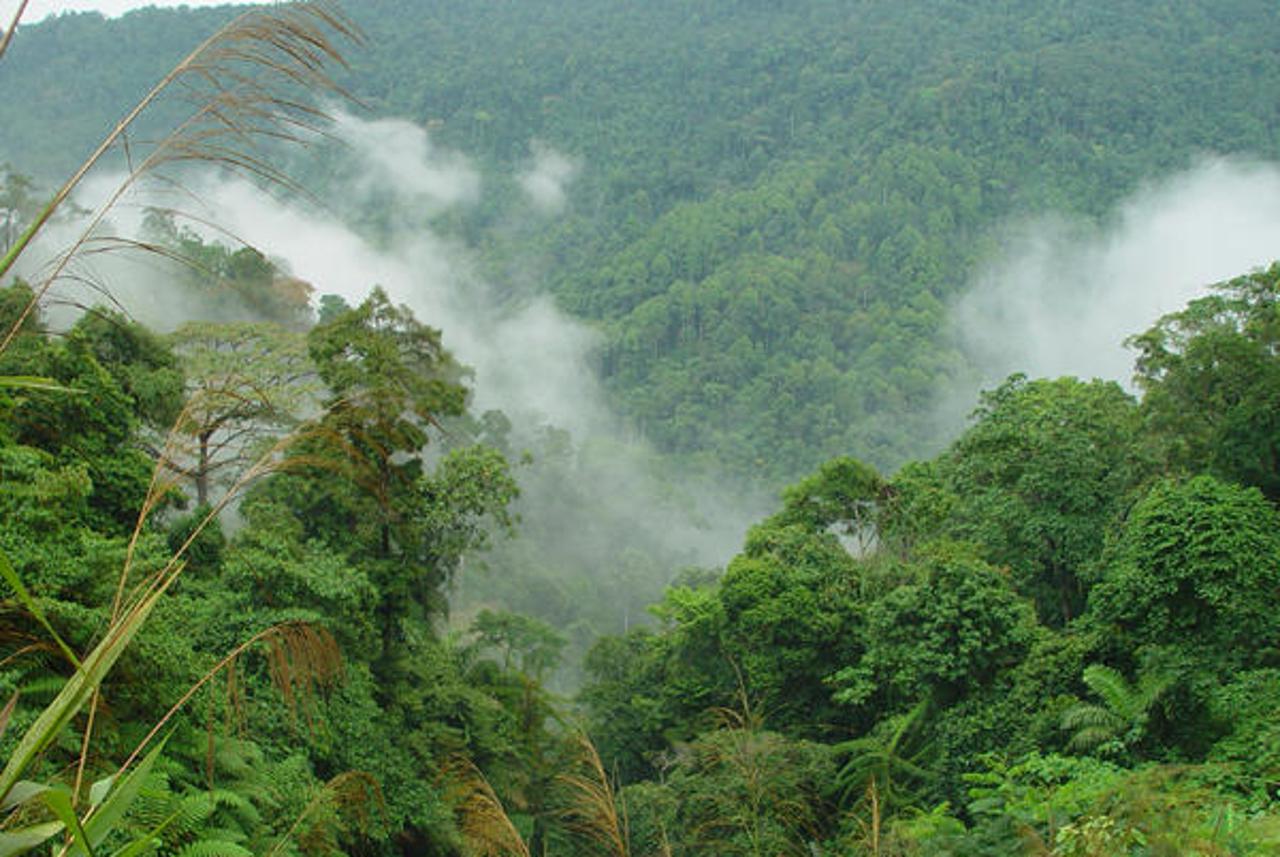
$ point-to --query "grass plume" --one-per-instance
(249, 84)
(591, 808)
(483, 822)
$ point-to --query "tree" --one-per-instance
(952, 631)
(843, 496)
(792, 614)
(1210, 376)
(886, 765)
(1196, 567)
(17, 204)
(231, 282)
(530, 646)
(1119, 723)
(1039, 477)
(110, 379)
(390, 380)
(247, 382)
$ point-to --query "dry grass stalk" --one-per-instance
(13, 27)
(301, 659)
(348, 794)
(592, 809)
(241, 81)
(485, 826)
(313, 662)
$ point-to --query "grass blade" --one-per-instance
(11, 577)
(80, 686)
(28, 838)
(104, 819)
(59, 802)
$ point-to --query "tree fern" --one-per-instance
(1121, 719)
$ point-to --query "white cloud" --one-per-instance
(1063, 295)
(545, 180)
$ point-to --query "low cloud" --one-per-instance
(397, 157)
(530, 360)
(545, 182)
(1062, 295)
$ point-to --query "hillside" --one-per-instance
(775, 202)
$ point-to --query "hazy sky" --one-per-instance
(37, 9)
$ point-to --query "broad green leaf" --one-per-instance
(104, 818)
(59, 801)
(21, 793)
(99, 790)
(24, 839)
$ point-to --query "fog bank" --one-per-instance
(1062, 295)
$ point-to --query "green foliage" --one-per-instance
(735, 791)
(952, 631)
(247, 382)
(1119, 723)
(1193, 567)
(221, 282)
(886, 762)
(112, 378)
(752, 170)
(530, 646)
(842, 171)
(791, 610)
(1211, 382)
(1042, 473)
(842, 496)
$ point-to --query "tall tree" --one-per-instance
(247, 381)
(1039, 477)
(1210, 376)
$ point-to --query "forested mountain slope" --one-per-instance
(749, 168)
(231, 552)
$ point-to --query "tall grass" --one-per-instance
(248, 84)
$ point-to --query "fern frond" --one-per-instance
(1086, 716)
(1090, 738)
(189, 816)
(1112, 688)
(214, 848)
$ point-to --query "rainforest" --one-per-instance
(640, 428)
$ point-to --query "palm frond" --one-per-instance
(1112, 688)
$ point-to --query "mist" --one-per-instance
(1062, 295)
(545, 181)
(600, 512)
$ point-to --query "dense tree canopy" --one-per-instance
(1054, 634)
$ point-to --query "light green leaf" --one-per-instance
(27, 382)
(24, 839)
(104, 819)
(22, 792)
(59, 801)
(99, 790)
